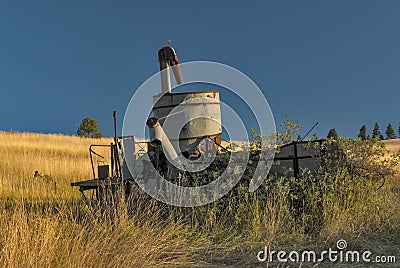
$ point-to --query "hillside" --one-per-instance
(392, 145)
(45, 222)
(63, 158)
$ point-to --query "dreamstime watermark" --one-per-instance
(337, 255)
(141, 110)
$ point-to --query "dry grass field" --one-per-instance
(393, 145)
(44, 223)
(63, 158)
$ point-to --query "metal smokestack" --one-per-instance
(167, 57)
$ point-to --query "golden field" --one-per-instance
(392, 145)
(44, 222)
(63, 158)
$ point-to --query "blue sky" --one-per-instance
(335, 62)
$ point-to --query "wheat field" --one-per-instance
(45, 223)
(63, 158)
(392, 145)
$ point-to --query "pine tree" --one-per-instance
(332, 134)
(89, 128)
(376, 133)
(399, 130)
(363, 133)
(390, 132)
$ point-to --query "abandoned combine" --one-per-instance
(193, 123)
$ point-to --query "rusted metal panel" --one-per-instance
(298, 158)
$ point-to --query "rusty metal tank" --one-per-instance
(196, 114)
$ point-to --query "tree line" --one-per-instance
(89, 128)
(376, 133)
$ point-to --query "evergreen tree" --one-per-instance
(363, 133)
(390, 132)
(376, 133)
(332, 134)
(89, 128)
(399, 130)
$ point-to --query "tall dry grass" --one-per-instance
(59, 234)
(44, 224)
(63, 158)
(47, 226)
(392, 145)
